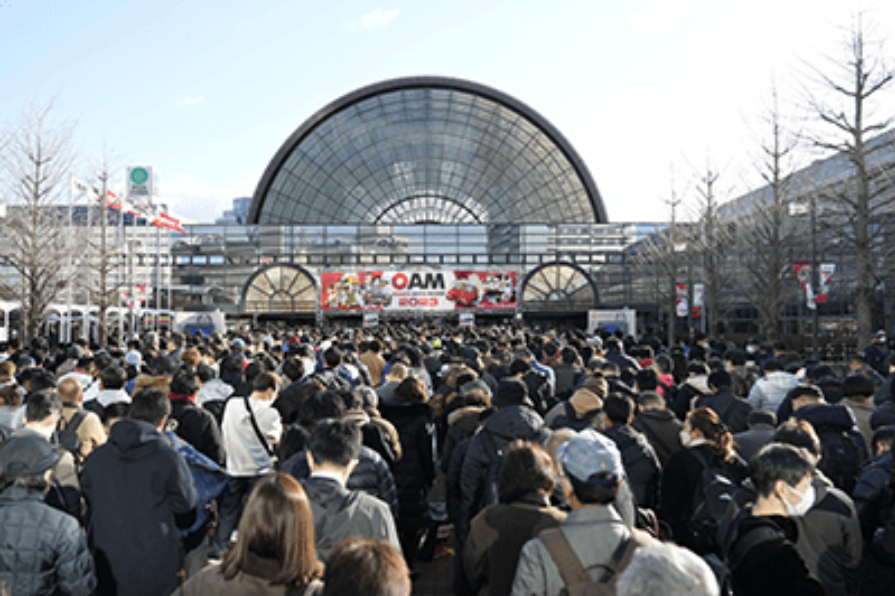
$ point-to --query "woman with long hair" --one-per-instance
(274, 552)
(707, 443)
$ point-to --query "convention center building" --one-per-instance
(415, 197)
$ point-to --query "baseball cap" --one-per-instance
(26, 455)
(595, 341)
(590, 457)
(133, 358)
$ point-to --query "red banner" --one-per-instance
(426, 289)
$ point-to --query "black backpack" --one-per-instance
(67, 434)
(736, 414)
(712, 509)
(490, 490)
(841, 457)
(569, 419)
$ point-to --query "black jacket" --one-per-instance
(135, 484)
(42, 550)
(644, 473)
(415, 471)
(733, 410)
(773, 568)
(198, 427)
(680, 481)
(662, 429)
(485, 450)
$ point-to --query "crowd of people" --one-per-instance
(303, 461)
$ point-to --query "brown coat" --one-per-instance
(90, 431)
(211, 581)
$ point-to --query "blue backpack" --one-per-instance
(209, 479)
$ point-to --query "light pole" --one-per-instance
(814, 281)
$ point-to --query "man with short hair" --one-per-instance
(86, 424)
(42, 412)
(373, 360)
(763, 558)
(731, 409)
(642, 467)
(593, 532)
(42, 550)
(397, 372)
(340, 513)
(111, 390)
(140, 492)
(195, 425)
(659, 425)
(251, 426)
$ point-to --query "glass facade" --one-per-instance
(230, 267)
(426, 151)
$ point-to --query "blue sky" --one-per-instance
(207, 91)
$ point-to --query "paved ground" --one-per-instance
(436, 576)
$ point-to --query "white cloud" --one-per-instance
(374, 20)
(189, 101)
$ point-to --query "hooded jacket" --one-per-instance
(486, 448)
(662, 429)
(135, 484)
(830, 421)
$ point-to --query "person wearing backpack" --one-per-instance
(843, 451)
(86, 426)
(707, 464)
(639, 458)
(582, 409)
(762, 555)
(829, 539)
(42, 412)
(515, 419)
(589, 550)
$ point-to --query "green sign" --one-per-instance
(139, 175)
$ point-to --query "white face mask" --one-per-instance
(804, 505)
(751, 349)
(685, 438)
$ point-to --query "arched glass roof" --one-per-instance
(426, 150)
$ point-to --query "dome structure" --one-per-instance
(426, 150)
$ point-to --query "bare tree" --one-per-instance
(658, 258)
(855, 208)
(34, 167)
(711, 244)
(765, 230)
(104, 256)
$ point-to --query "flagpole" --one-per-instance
(89, 253)
(67, 319)
(158, 278)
